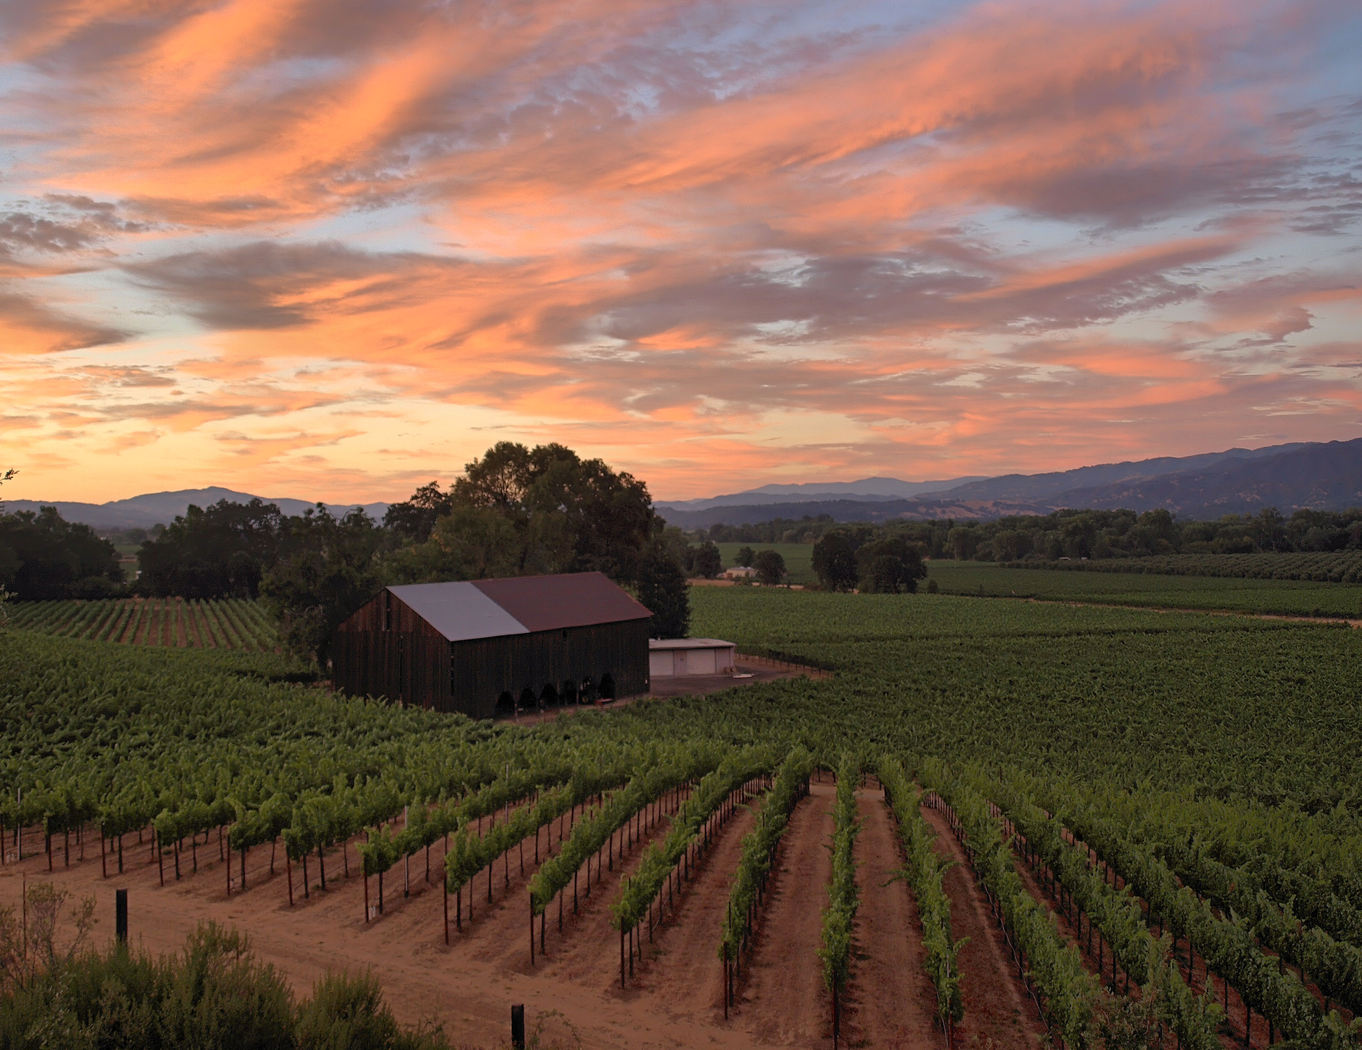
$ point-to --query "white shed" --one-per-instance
(673, 657)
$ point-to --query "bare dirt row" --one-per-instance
(572, 993)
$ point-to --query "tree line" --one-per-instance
(1084, 534)
(516, 511)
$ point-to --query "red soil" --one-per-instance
(572, 994)
(890, 1001)
(780, 996)
(998, 1012)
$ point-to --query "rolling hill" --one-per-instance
(1319, 476)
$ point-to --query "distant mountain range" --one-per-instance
(1320, 476)
(161, 508)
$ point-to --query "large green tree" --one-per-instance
(769, 566)
(708, 561)
(326, 570)
(220, 552)
(468, 543)
(662, 587)
(414, 520)
(44, 556)
(890, 565)
(567, 514)
(834, 561)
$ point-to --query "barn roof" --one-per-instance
(471, 609)
(459, 611)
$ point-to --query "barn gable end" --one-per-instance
(464, 646)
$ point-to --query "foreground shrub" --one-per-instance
(214, 995)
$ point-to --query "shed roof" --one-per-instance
(688, 643)
(462, 611)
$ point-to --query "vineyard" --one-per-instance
(232, 623)
(1170, 583)
(1320, 566)
(998, 821)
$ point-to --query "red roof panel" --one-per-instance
(548, 603)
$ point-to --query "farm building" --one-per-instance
(675, 657)
(486, 646)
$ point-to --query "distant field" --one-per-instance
(1288, 597)
(798, 558)
(231, 623)
(1182, 591)
(1318, 566)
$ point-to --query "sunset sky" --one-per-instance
(334, 249)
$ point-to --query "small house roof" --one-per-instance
(465, 610)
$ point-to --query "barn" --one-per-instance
(483, 647)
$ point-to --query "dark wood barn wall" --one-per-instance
(409, 661)
(413, 662)
(483, 669)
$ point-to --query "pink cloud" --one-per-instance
(973, 244)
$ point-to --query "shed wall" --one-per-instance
(677, 661)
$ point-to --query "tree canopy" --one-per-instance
(834, 562)
(662, 587)
(769, 566)
(1084, 534)
(415, 519)
(873, 560)
(44, 556)
(219, 552)
(569, 514)
(707, 561)
(889, 566)
(326, 570)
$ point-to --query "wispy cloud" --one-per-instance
(715, 243)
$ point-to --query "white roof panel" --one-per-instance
(459, 611)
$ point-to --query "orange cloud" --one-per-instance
(274, 237)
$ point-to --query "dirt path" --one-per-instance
(177, 612)
(586, 951)
(890, 1002)
(781, 1000)
(682, 975)
(998, 1012)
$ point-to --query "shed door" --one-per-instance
(680, 655)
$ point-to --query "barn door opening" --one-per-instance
(528, 701)
(569, 692)
(607, 686)
(505, 705)
(548, 696)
